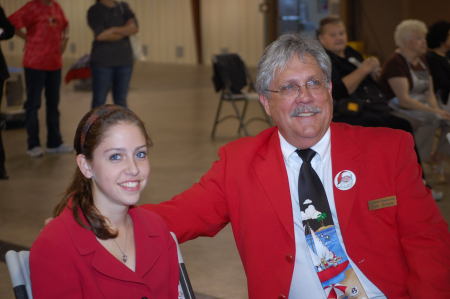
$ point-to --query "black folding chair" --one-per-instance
(230, 78)
(184, 287)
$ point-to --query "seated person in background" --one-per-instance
(407, 82)
(353, 78)
(438, 40)
(100, 245)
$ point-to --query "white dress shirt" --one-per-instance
(305, 282)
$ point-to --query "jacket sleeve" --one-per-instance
(202, 209)
(53, 274)
(422, 230)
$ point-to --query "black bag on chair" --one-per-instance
(367, 97)
(229, 72)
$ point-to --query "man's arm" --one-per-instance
(352, 80)
(22, 34)
(199, 211)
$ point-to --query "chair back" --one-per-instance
(19, 272)
(229, 73)
(184, 287)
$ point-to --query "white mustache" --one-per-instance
(305, 109)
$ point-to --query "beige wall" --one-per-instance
(232, 26)
(166, 29)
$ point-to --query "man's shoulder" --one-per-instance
(252, 142)
(365, 134)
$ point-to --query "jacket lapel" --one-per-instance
(94, 253)
(345, 154)
(148, 245)
(271, 172)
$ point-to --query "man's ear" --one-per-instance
(265, 102)
(84, 166)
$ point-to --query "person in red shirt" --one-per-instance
(45, 38)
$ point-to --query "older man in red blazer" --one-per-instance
(394, 238)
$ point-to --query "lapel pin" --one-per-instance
(345, 180)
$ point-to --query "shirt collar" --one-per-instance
(321, 147)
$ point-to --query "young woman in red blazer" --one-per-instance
(100, 245)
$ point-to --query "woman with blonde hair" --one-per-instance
(406, 80)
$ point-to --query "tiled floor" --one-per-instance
(178, 104)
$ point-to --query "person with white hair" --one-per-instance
(407, 82)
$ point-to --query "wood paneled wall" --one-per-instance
(166, 29)
(375, 21)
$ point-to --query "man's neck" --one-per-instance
(46, 2)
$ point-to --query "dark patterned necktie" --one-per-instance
(311, 191)
(328, 257)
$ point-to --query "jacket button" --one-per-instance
(144, 298)
(282, 296)
(289, 258)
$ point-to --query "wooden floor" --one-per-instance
(178, 105)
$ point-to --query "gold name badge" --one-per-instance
(384, 202)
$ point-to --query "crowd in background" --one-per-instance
(44, 28)
(408, 92)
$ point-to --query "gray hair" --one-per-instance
(404, 30)
(277, 55)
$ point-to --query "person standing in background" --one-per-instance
(111, 56)
(45, 41)
(6, 32)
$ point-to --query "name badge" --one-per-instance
(384, 202)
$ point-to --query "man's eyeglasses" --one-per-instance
(292, 90)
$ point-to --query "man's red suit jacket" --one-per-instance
(403, 249)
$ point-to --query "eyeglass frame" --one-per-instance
(325, 82)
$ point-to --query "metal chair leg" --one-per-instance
(216, 119)
(240, 117)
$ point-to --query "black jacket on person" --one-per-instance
(8, 32)
(341, 67)
(440, 71)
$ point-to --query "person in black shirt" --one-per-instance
(438, 40)
(112, 22)
(353, 79)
